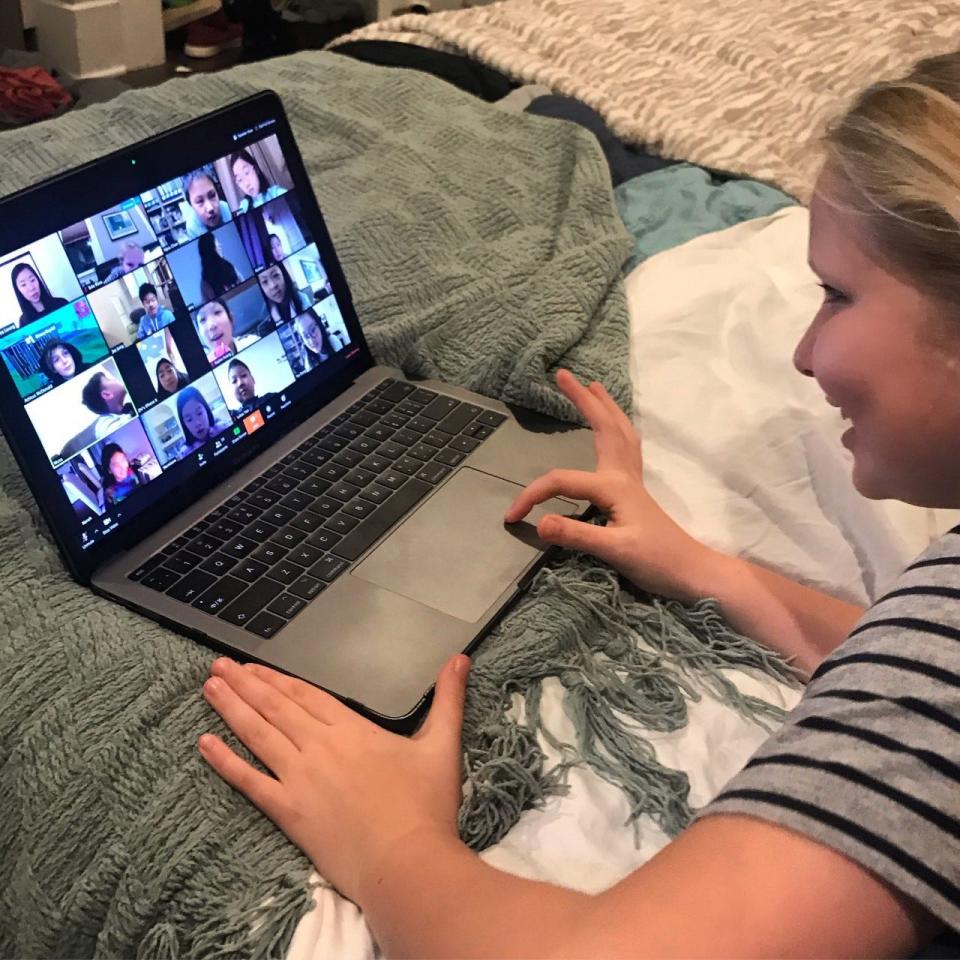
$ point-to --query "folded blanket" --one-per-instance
(743, 85)
(481, 247)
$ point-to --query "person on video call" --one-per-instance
(319, 345)
(169, 379)
(61, 361)
(277, 252)
(284, 300)
(217, 274)
(32, 294)
(131, 258)
(120, 478)
(252, 182)
(196, 421)
(107, 398)
(215, 323)
(206, 210)
(245, 389)
(155, 316)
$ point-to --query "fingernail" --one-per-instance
(461, 664)
(205, 742)
(213, 685)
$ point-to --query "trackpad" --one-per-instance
(455, 553)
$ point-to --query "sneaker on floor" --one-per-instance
(211, 36)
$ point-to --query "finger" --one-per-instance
(589, 405)
(578, 484)
(275, 707)
(319, 704)
(617, 415)
(257, 787)
(445, 719)
(575, 535)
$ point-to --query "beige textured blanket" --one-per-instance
(742, 85)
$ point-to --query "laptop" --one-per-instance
(187, 389)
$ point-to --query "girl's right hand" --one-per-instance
(639, 540)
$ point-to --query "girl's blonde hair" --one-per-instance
(895, 157)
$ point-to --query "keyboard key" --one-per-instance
(407, 438)
(422, 451)
(282, 484)
(240, 546)
(305, 555)
(341, 523)
(420, 425)
(297, 501)
(376, 493)
(316, 458)
(450, 457)
(219, 595)
(364, 445)
(204, 545)
(183, 562)
(359, 508)
(269, 554)
(464, 444)
(379, 406)
(198, 528)
(439, 407)
(314, 486)
(266, 625)
(360, 477)
(329, 568)
(285, 572)
(421, 396)
(306, 523)
(376, 463)
(491, 419)
(348, 430)
(392, 479)
(224, 529)
(397, 391)
(332, 472)
(234, 501)
(299, 471)
(325, 506)
(140, 572)
(243, 514)
(437, 438)
(343, 491)
(381, 521)
(160, 578)
(191, 586)
(433, 473)
(286, 606)
(391, 450)
(332, 444)
(481, 433)
(407, 409)
(307, 587)
(408, 465)
(264, 498)
(454, 422)
(279, 515)
(380, 433)
(175, 545)
(349, 458)
(254, 598)
(324, 539)
(395, 421)
(218, 563)
(290, 535)
(250, 570)
(363, 418)
(260, 530)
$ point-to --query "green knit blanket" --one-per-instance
(482, 247)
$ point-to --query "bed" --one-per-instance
(486, 247)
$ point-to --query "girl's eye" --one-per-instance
(831, 294)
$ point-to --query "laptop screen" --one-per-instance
(165, 328)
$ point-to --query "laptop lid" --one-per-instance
(166, 313)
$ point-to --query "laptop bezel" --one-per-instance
(49, 206)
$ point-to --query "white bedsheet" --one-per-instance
(744, 453)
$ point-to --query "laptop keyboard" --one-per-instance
(263, 555)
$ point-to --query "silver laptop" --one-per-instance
(187, 389)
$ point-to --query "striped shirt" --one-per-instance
(868, 763)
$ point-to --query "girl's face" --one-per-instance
(246, 177)
(206, 202)
(887, 356)
(28, 283)
(119, 466)
(62, 362)
(167, 377)
(273, 285)
(311, 333)
(276, 248)
(195, 419)
(216, 325)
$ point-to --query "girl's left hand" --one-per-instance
(343, 789)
